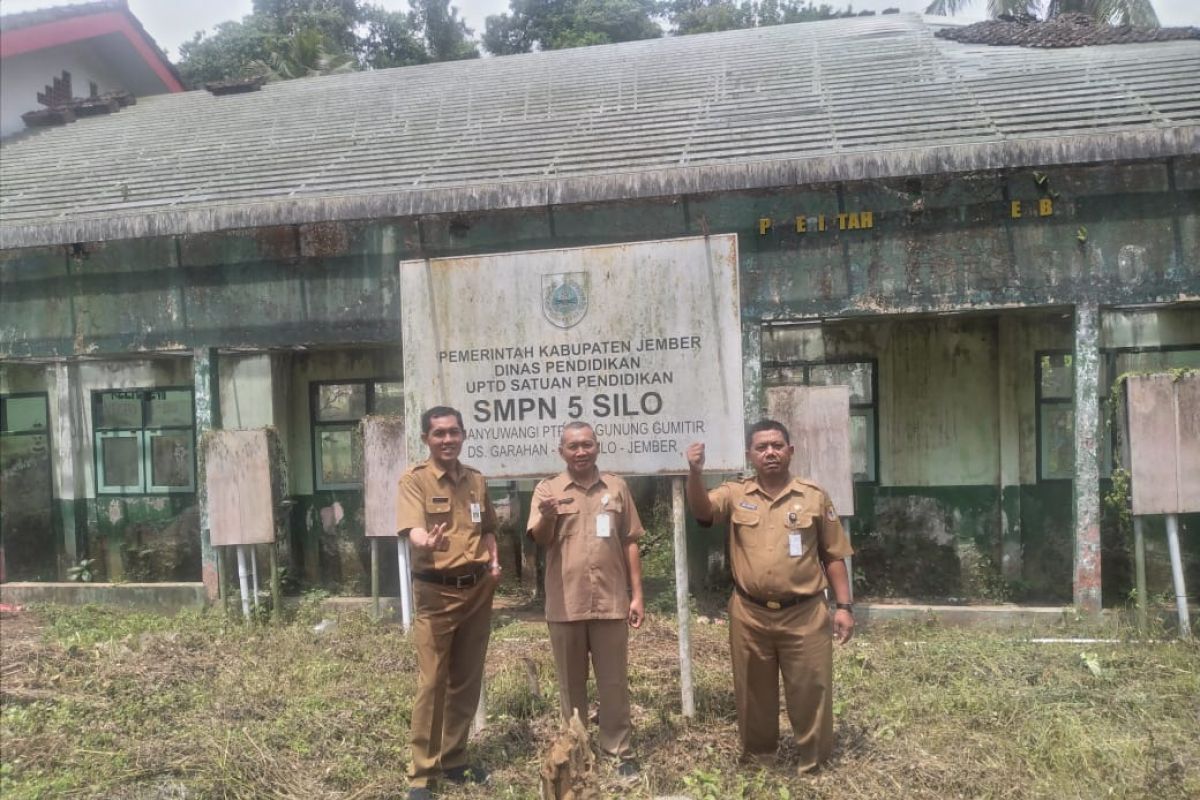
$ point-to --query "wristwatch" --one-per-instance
(844, 607)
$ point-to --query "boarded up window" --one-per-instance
(859, 376)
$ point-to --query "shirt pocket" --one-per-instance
(438, 510)
(568, 520)
(747, 526)
(806, 526)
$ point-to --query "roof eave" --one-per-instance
(637, 185)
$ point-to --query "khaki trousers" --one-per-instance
(450, 634)
(798, 642)
(607, 640)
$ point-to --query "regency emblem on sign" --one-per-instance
(565, 297)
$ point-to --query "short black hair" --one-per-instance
(439, 411)
(767, 425)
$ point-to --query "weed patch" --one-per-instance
(97, 702)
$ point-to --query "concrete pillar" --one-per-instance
(1087, 458)
(208, 417)
(1009, 363)
(752, 370)
(67, 440)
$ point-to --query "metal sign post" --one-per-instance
(682, 612)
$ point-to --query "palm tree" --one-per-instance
(1116, 12)
(301, 55)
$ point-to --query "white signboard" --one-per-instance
(642, 341)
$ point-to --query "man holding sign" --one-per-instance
(445, 513)
(784, 538)
(589, 526)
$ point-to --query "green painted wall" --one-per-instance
(1128, 233)
(957, 415)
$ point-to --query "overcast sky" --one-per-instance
(172, 22)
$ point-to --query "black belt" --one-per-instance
(774, 605)
(459, 580)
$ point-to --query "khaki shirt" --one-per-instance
(759, 534)
(430, 496)
(587, 576)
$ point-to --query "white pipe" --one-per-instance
(254, 573)
(406, 598)
(681, 599)
(243, 580)
(1139, 565)
(1185, 628)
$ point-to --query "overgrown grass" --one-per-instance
(100, 703)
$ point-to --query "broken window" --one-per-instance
(337, 408)
(860, 377)
(145, 441)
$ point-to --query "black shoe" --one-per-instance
(628, 771)
(467, 774)
(420, 793)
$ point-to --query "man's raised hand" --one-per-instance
(434, 539)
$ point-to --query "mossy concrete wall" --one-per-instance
(296, 304)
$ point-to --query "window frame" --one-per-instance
(872, 407)
(1105, 436)
(47, 432)
(1039, 401)
(4, 398)
(316, 425)
(144, 435)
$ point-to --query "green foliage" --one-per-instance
(388, 39)
(229, 52)
(558, 24)
(303, 54)
(1116, 12)
(83, 572)
(447, 37)
(286, 39)
(705, 16)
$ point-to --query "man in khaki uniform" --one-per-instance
(445, 513)
(589, 526)
(784, 539)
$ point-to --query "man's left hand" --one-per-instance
(489, 541)
(843, 625)
(637, 612)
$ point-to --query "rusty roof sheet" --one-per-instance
(1065, 30)
(825, 101)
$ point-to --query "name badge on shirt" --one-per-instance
(476, 513)
(603, 526)
(795, 544)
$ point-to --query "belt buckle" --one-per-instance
(774, 605)
(464, 580)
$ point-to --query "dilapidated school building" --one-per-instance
(977, 239)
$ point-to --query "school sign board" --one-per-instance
(641, 340)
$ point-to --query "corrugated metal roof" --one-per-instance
(837, 100)
(38, 16)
